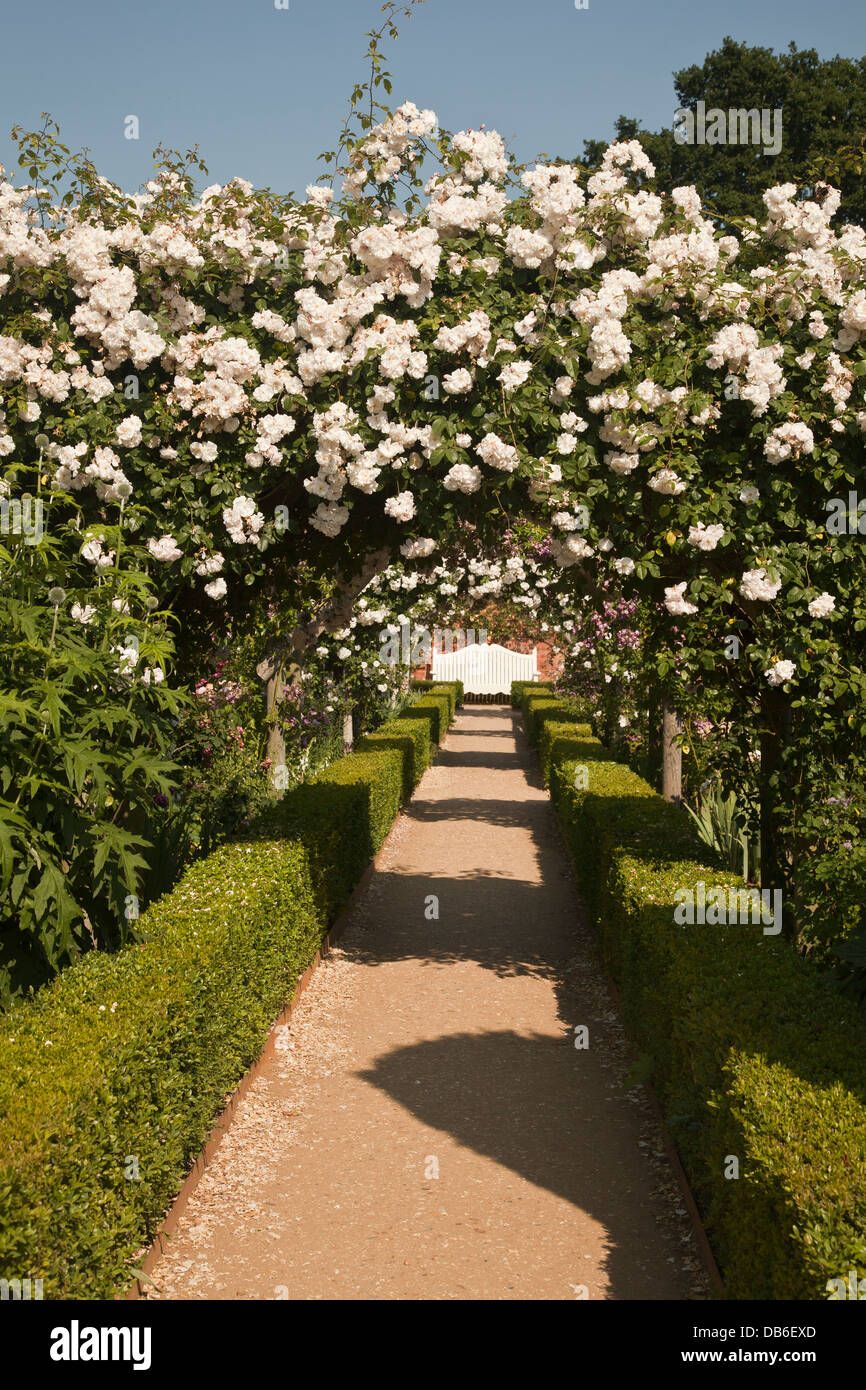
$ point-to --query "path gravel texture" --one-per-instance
(427, 1128)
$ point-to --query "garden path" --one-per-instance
(427, 1128)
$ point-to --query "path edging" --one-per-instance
(688, 1196)
(221, 1125)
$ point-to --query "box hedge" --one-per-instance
(436, 705)
(558, 737)
(753, 1056)
(517, 688)
(112, 1075)
(539, 704)
(456, 686)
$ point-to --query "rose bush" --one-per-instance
(247, 388)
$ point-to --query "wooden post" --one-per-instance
(775, 734)
(276, 742)
(270, 673)
(672, 757)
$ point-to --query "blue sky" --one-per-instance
(262, 91)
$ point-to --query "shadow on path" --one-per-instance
(532, 1105)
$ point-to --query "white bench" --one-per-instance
(486, 668)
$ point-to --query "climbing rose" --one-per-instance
(455, 383)
(129, 431)
(757, 586)
(675, 601)
(164, 549)
(780, 672)
(463, 477)
(822, 605)
(401, 507)
(418, 549)
(705, 537)
(789, 441)
(667, 481)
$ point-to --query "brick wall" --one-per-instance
(549, 662)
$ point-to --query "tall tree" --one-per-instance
(823, 128)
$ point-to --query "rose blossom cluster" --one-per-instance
(338, 344)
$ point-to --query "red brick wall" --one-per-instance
(549, 662)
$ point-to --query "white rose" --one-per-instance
(822, 605)
(129, 432)
(780, 672)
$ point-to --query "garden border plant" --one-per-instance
(752, 1055)
(114, 1072)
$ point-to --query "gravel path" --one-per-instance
(427, 1128)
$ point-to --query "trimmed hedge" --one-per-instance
(540, 704)
(517, 688)
(112, 1075)
(411, 739)
(456, 686)
(752, 1054)
(437, 707)
(344, 813)
(560, 735)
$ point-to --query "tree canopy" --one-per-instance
(823, 123)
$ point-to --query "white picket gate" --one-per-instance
(485, 668)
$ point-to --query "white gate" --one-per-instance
(485, 668)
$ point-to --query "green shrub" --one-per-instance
(538, 704)
(437, 708)
(113, 1074)
(557, 736)
(411, 739)
(85, 748)
(342, 817)
(344, 813)
(454, 691)
(517, 688)
(535, 708)
(118, 1067)
(456, 686)
(752, 1055)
